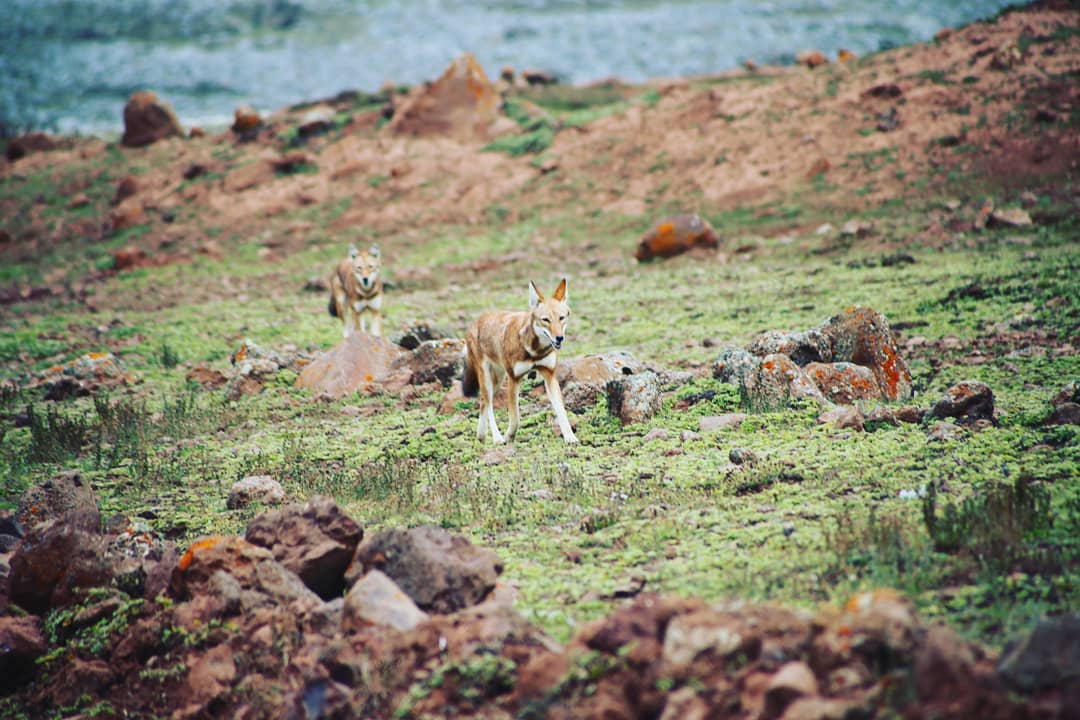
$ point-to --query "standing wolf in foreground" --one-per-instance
(514, 344)
(356, 291)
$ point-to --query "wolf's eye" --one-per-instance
(562, 318)
(546, 320)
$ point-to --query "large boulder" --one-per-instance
(844, 382)
(1048, 657)
(360, 361)
(634, 398)
(147, 119)
(54, 563)
(21, 643)
(676, 235)
(584, 379)
(461, 104)
(776, 381)
(862, 336)
(84, 375)
(441, 572)
(58, 496)
(967, 401)
(315, 540)
(376, 600)
(440, 361)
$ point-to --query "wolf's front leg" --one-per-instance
(376, 323)
(512, 403)
(554, 393)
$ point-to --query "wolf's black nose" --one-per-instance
(558, 342)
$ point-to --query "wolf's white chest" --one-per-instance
(521, 367)
(373, 304)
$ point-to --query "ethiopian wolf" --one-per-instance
(514, 344)
(356, 291)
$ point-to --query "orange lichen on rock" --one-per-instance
(676, 235)
(198, 545)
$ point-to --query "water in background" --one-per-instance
(69, 65)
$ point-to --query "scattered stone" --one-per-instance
(538, 77)
(147, 120)
(657, 434)
(126, 215)
(206, 377)
(720, 422)
(802, 347)
(888, 120)
(688, 436)
(28, 144)
(316, 121)
(734, 366)
(21, 643)
(376, 600)
(441, 361)
(944, 431)
(82, 376)
(634, 398)
(1009, 217)
(126, 187)
(676, 235)
(776, 381)
(845, 417)
(845, 56)
(262, 489)
(462, 103)
(742, 456)
(969, 401)
(818, 167)
(421, 332)
(439, 571)
(67, 496)
(246, 121)
(856, 228)
(316, 541)
(55, 562)
(811, 58)
(1047, 657)
(794, 680)
(129, 258)
(1064, 414)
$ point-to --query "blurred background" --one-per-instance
(69, 65)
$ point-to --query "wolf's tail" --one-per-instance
(470, 384)
(332, 307)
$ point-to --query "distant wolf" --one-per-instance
(514, 344)
(356, 291)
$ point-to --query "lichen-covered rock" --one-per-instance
(359, 361)
(811, 346)
(862, 336)
(776, 381)
(634, 398)
(83, 376)
(58, 496)
(843, 382)
(734, 366)
(439, 571)
(53, 563)
(676, 235)
(147, 119)
(315, 540)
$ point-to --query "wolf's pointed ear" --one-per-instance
(560, 292)
(353, 252)
(535, 298)
(374, 251)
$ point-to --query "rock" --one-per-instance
(28, 144)
(742, 456)
(720, 422)
(129, 258)
(1070, 393)
(811, 58)
(676, 235)
(693, 634)
(66, 496)
(263, 581)
(253, 174)
(818, 167)
(412, 336)
(944, 431)
(1064, 414)
(246, 121)
(843, 382)
(376, 600)
(794, 680)
(127, 214)
(462, 104)
(532, 76)
(856, 228)
(969, 401)
(844, 418)
(316, 121)
(54, 563)
(262, 489)
(776, 381)
(358, 362)
(126, 187)
(292, 162)
(887, 120)
(147, 120)
(597, 370)
(1009, 217)
(657, 434)
(944, 665)
(211, 676)
(206, 377)
(315, 540)
(21, 643)
(803, 348)
(688, 436)
(862, 336)
(734, 366)
(816, 708)
(441, 572)
(1047, 657)
(441, 361)
(634, 398)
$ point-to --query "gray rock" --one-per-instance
(255, 488)
(719, 422)
(734, 366)
(376, 600)
(944, 431)
(634, 398)
(65, 495)
(742, 456)
(1048, 657)
(969, 401)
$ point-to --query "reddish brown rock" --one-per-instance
(128, 258)
(843, 382)
(811, 58)
(147, 120)
(359, 362)
(676, 235)
(127, 214)
(28, 144)
(246, 120)
(462, 104)
(968, 401)
(125, 188)
(207, 377)
(776, 381)
(862, 336)
(22, 642)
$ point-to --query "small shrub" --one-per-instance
(168, 357)
(54, 437)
